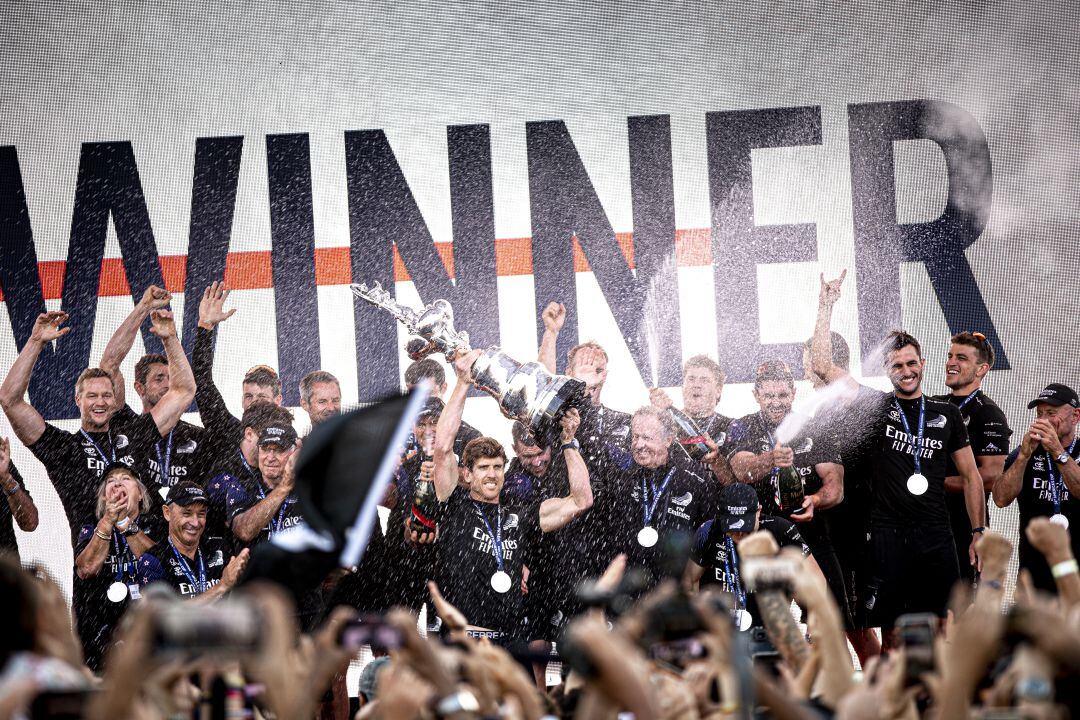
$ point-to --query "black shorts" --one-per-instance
(547, 613)
(852, 548)
(911, 570)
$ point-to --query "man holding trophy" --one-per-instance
(482, 543)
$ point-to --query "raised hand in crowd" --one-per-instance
(211, 308)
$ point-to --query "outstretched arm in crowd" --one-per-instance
(554, 316)
(821, 361)
(212, 409)
(974, 498)
(25, 420)
(1053, 542)
(446, 462)
(19, 501)
(557, 512)
(167, 411)
(119, 345)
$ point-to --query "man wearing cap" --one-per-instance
(194, 566)
(713, 558)
(260, 509)
(1043, 477)
(969, 361)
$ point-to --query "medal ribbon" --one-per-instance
(165, 464)
(647, 508)
(274, 526)
(1057, 484)
(112, 446)
(907, 429)
(966, 400)
(244, 462)
(122, 556)
(199, 584)
(731, 574)
(496, 536)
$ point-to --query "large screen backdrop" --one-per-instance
(677, 175)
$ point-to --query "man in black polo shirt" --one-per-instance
(182, 453)
(196, 567)
(108, 432)
(713, 556)
(912, 564)
(661, 494)
(262, 507)
(1043, 476)
(757, 458)
(970, 359)
(484, 545)
(17, 505)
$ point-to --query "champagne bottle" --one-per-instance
(691, 440)
(425, 503)
(790, 490)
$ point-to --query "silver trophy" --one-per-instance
(525, 391)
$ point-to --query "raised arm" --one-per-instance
(119, 345)
(19, 501)
(213, 412)
(181, 392)
(554, 316)
(821, 344)
(25, 420)
(446, 462)
(974, 498)
(557, 512)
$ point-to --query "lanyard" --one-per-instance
(1057, 484)
(774, 477)
(122, 556)
(966, 400)
(244, 462)
(112, 446)
(165, 464)
(496, 537)
(199, 584)
(649, 509)
(731, 574)
(274, 526)
(907, 429)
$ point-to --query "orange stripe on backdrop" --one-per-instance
(251, 270)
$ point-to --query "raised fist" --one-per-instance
(554, 316)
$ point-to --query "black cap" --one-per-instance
(1056, 394)
(185, 493)
(738, 506)
(432, 406)
(281, 435)
(120, 465)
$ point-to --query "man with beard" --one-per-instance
(320, 396)
(970, 359)
(197, 568)
(659, 496)
(912, 561)
(484, 545)
(757, 458)
(180, 455)
(108, 431)
(260, 382)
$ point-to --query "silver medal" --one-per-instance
(743, 619)
(917, 484)
(117, 592)
(1061, 520)
(647, 536)
(500, 582)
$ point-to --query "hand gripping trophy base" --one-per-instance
(528, 392)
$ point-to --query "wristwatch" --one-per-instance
(1063, 458)
(132, 529)
(572, 444)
